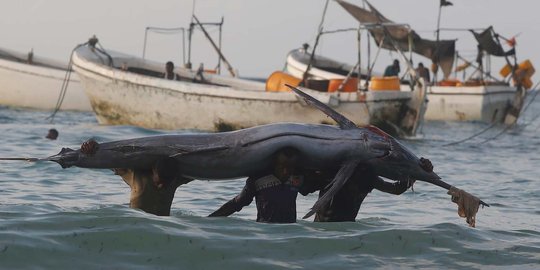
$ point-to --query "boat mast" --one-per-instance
(437, 48)
(320, 30)
(216, 48)
(442, 4)
(190, 35)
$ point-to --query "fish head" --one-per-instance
(375, 142)
(401, 164)
(66, 158)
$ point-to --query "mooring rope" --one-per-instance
(535, 89)
(63, 90)
(472, 136)
(65, 83)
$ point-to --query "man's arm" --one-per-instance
(243, 199)
(314, 181)
(395, 188)
(180, 180)
(126, 174)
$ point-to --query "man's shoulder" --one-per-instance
(266, 181)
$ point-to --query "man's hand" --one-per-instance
(89, 147)
(426, 164)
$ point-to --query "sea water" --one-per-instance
(54, 218)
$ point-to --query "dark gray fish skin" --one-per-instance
(401, 165)
(235, 154)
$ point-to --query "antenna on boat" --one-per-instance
(166, 31)
(443, 3)
(312, 56)
(216, 47)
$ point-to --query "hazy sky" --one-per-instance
(257, 34)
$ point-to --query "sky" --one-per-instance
(257, 34)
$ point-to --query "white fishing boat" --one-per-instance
(34, 82)
(486, 103)
(127, 90)
(480, 97)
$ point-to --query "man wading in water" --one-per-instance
(346, 203)
(152, 189)
(275, 193)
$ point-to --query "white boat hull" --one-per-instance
(126, 98)
(38, 87)
(472, 103)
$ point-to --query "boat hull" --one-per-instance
(125, 98)
(474, 103)
(37, 87)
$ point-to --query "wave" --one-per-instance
(119, 237)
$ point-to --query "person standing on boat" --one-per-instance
(275, 193)
(392, 70)
(423, 72)
(169, 72)
(152, 189)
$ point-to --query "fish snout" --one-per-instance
(66, 158)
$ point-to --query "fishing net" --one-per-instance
(467, 204)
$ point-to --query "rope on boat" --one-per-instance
(93, 41)
(63, 91)
(472, 136)
(535, 89)
(65, 83)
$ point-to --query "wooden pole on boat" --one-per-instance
(437, 47)
(144, 46)
(359, 39)
(306, 72)
(229, 67)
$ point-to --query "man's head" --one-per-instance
(420, 65)
(396, 64)
(164, 172)
(285, 163)
(169, 67)
(52, 135)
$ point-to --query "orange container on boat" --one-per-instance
(505, 71)
(527, 83)
(277, 80)
(527, 67)
(384, 84)
(350, 86)
(450, 82)
(524, 68)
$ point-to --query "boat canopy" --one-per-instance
(488, 42)
(441, 52)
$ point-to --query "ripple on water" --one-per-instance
(81, 218)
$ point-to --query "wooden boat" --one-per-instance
(34, 82)
(461, 102)
(479, 98)
(483, 97)
(127, 90)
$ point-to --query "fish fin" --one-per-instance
(341, 178)
(342, 121)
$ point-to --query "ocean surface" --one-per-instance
(54, 218)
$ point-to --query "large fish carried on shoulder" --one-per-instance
(250, 151)
(234, 154)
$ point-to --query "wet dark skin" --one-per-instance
(346, 203)
(152, 189)
(275, 193)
